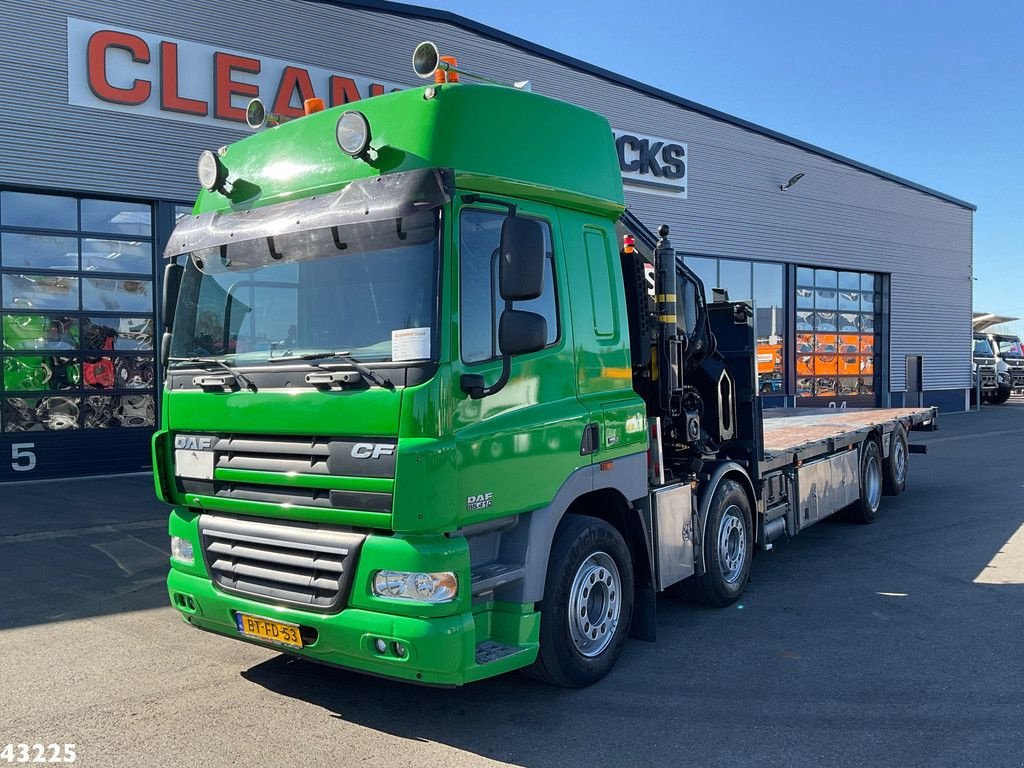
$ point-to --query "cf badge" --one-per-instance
(372, 450)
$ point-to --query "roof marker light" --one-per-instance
(312, 106)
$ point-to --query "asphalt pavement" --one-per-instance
(895, 644)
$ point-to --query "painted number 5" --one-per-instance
(23, 458)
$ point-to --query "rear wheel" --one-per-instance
(728, 549)
(896, 466)
(865, 509)
(587, 605)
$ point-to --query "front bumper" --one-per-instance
(439, 650)
(441, 641)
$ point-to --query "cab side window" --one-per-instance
(480, 303)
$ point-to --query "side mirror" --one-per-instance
(169, 300)
(521, 260)
(521, 332)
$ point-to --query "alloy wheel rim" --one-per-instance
(873, 482)
(900, 461)
(595, 602)
(732, 544)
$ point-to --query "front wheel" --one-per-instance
(728, 549)
(587, 605)
(1001, 396)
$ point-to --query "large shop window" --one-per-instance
(76, 313)
(837, 332)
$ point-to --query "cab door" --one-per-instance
(516, 447)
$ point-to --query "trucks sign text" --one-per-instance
(653, 164)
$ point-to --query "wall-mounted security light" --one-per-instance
(793, 180)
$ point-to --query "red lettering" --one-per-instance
(170, 99)
(96, 67)
(376, 89)
(225, 88)
(343, 90)
(292, 79)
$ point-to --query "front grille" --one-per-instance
(300, 564)
(245, 466)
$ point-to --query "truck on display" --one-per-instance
(1011, 352)
(998, 359)
(424, 418)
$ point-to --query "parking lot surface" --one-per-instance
(895, 644)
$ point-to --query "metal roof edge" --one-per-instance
(436, 14)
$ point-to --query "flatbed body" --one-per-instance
(803, 434)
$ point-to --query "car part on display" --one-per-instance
(39, 332)
(19, 415)
(58, 413)
(98, 372)
(136, 411)
(96, 336)
(134, 372)
(98, 412)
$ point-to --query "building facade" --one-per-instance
(861, 281)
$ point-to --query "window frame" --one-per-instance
(494, 299)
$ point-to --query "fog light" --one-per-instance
(440, 587)
(380, 646)
(353, 133)
(399, 650)
(181, 550)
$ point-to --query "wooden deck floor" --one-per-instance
(786, 429)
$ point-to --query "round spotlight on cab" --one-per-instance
(211, 171)
(425, 59)
(256, 114)
(353, 133)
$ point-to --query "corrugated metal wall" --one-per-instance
(837, 215)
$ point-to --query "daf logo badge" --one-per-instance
(193, 443)
(372, 450)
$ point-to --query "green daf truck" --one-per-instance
(438, 407)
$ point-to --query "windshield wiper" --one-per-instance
(208, 361)
(371, 376)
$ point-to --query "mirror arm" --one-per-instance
(473, 383)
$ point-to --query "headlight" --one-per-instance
(422, 587)
(353, 133)
(181, 550)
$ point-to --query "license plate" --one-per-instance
(271, 631)
(194, 464)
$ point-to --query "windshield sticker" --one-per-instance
(410, 344)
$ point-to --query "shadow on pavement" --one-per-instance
(77, 548)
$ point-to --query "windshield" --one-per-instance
(366, 289)
(1010, 348)
(982, 348)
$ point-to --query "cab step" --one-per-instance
(487, 578)
(489, 651)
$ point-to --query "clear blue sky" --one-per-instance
(930, 91)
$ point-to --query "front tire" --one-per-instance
(728, 549)
(587, 605)
(1001, 396)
